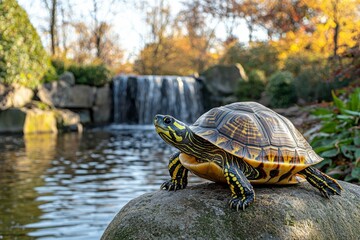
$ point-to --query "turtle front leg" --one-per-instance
(178, 174)
(242, 191)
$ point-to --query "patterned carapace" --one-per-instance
(255, 133)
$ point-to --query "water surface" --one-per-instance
(71, 186)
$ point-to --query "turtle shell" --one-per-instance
(259, 136)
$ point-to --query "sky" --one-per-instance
(128, 22)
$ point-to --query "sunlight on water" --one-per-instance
(71, 186)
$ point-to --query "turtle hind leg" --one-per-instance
(178, 174)
(326, 185)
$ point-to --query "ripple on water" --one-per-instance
(77, 183)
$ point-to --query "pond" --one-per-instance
(71, 186)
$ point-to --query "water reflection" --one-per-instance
(71, 186)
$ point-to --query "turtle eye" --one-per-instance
(167, 120)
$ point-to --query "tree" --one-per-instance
(337, 25)
(178, 46)
(102, 47)
(51, 6)
(199, 35)
(23, 59)
(158, 50)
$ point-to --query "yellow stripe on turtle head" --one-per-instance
(160, 130)
(178, 138)
(179, 126)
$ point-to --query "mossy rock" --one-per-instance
(39, 121)
(201, 212)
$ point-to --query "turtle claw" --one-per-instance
(172, 185)
(238, 204)
(325, 194)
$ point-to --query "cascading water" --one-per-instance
(137, 99)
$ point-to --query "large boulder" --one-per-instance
(14, 95)
(40, 121)
(68, 120)
(54, 93)
(102, 107)
(12, 120)
(68, 77)
(37, 120)
(201, 212)
(221, 81)
(61, 94)
(81, 96)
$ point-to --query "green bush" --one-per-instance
(93, 75)
(253, 88)
(338, 141)
(310, 85)
(23, 59)
(59, 66)
(281, 89)
(301, 62)
(50, 75)
(315, 83)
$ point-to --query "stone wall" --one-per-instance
(62, 106)
(91, 103)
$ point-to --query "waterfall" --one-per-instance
(137, 99)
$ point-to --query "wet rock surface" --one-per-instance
(201, 212)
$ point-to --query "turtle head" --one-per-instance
(171, 130)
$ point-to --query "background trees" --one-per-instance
(312, 39)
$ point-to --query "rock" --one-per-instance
(201, 212)
(85, 116)
(36, 118)
(80, 96)
(101, 109)
(14, 95)
(40, 121)
(68, 117)
(2, 89)
(61, 94)
(21, 96)
(222, 81)
(12, 120)
(69, 121)
(54, 93)
(68, 77)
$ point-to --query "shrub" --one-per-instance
(23, 59)
(315, 83)
(50, 75)
(281, 89)
(252, 89)
(338, 141)
(310, 85)
(59, 66)
(93, 75)
(301, 62)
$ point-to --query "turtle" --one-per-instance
(241, 144)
